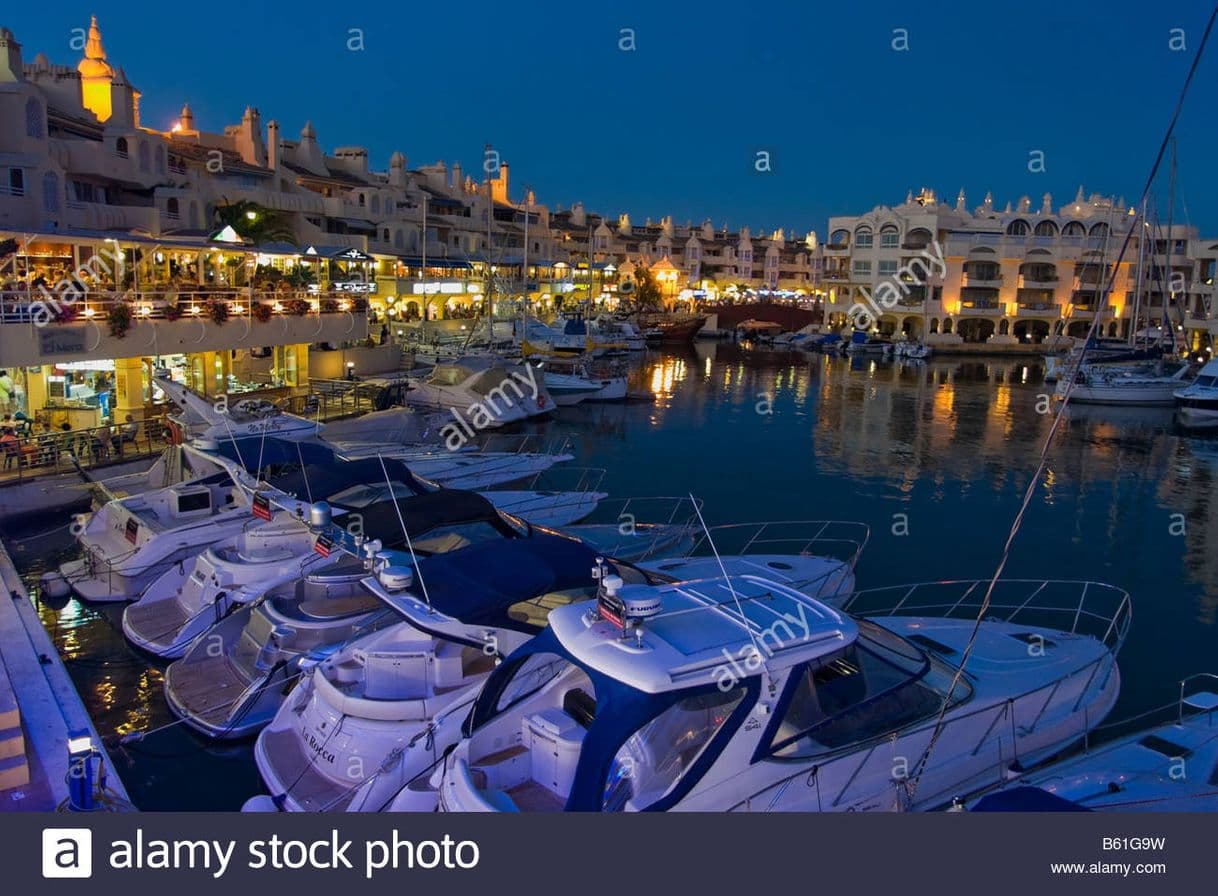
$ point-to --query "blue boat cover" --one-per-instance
(318, 482)
(1026, 799)
(479, 583)
(251, 450)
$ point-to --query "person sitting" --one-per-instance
(11, 447)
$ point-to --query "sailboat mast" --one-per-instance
(1139, 222)
(1171, 207)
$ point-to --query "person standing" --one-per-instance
(6, 392)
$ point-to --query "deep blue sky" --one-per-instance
(674, 127)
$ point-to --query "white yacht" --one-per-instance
(210, 418)
(816, 557)
(1116, 384)
(130, 541)
(486, 391)
(1197, 403)
(740, 694)
(1170, 767)
(231, 680)
(354, 731)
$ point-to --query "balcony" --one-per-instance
(990, 279)
(33, 331)
(836, 275)
(984, 305)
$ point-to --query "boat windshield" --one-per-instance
(443, 539)
(880, 684)
(1205, 382)
(653, 759)
(364, 495)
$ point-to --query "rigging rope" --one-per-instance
(1042, 462)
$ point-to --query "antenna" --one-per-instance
(726, 578)
(398, 507)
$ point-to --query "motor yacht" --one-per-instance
(486, 391)
(1168, 767)
(740, 694)
(232, 679)
(1197, 403)
(190, 596)
(816, 557)
(355, 730)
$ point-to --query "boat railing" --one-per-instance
(965, 733)
(840, 539)
(1079, 607)
(581, 480)
(648, 510)
(523, 443)
(1198, 695)
(29, 452)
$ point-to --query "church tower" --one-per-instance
(96, 75)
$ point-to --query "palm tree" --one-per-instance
(255, 223)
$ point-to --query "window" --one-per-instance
(1045, 228)
(839, 239)
(16, 182)
(655, 757)
(888, 268)
(878, 685)
(171, 209)
(863, 238)
(889, 238)
(862, 267)
(33, 118)
(50, 192)
(533, 674)
(1074, 228)
(120, 147)
(1017, 228)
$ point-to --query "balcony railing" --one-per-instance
(34, 306)
(986, 278)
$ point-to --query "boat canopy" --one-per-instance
(480, 583)
(253, 452)
(423, 513)
(324, 480)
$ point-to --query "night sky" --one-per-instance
(676, 124)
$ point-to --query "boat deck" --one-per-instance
(207, 688)
(157, 622)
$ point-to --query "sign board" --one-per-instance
(58, 340)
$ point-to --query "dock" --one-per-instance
(41, 712)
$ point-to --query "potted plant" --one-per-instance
(118, 318)
(261, 311)
(299, 307)
(217, 310)
(66, 313)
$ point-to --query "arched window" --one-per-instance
(361, 200)
(1045, 228)
(171, 207)
(50, 192)
(890, 237)
(947, 326)
(1074, 228)
(863, 238)
(33, 119)
(840, 239)
(397, 239)
(1018, 227)
(145, 157)
(1100, 230)
(934, 325)
(120, 147)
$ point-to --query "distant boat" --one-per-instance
(1197, 403)
(1122, 385)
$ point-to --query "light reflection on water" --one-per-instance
(950, 444)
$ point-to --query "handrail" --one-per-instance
(842, 539)
(1000, 711)
(1078, 599)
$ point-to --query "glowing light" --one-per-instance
(89, 312)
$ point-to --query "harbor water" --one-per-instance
(934, 456)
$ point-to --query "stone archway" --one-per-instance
(975, 329)
(947, 326)
(934, 325)
(1078, 328)
(1004, 327)
(912, 327)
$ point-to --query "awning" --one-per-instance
(357, 223)
(336, 253)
